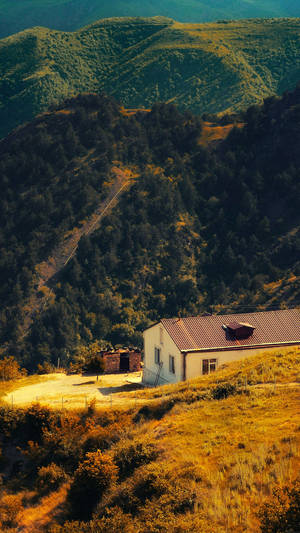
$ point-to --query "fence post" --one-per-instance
(111, 400)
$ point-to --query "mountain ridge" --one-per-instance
(214, 67)
(69, 15)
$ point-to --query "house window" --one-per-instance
(209, 365)
(161, 335)
(171, 364)
(157, 355)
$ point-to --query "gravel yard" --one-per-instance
(60, 390)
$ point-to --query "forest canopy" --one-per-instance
(201, 228)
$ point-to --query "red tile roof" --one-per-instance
(200, 332)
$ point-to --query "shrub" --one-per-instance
(51, 477)
(92, 478)
(281, 514)
(154, 411)
(129, 455)
(223, 391)
(37, 419)
(10, 506)
(10, 421)
(10, 369)
(94, 364)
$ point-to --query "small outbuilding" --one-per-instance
(176, 349)
(123, 360)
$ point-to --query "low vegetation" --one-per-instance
(224, 461)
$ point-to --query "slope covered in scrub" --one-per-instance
(203, 67)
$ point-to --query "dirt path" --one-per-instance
(34, 519)
(62, 391)
(119, 180)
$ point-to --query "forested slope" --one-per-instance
(68, 15)
(203, 67)
(199, 229)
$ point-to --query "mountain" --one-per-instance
(69, 15)
(111, 218)
(204, 67)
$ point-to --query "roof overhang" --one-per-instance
(240, 347)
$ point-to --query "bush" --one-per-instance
(10, 369)
(10, 506)
(154, 411)
(129, 455)
(94, 364)
(51, 477)
(37, 420)
(281, 514)
(92, 478)
(223, 391)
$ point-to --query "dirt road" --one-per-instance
(62, 391)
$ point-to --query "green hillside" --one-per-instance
(204, 67)
(69, 15)
(196, 228)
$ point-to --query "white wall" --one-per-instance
(152, 339)
(194, 360)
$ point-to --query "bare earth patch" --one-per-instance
(76, 391)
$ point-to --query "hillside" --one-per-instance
(207, 455)
(203, 67)
(68, 15)
(201, 226)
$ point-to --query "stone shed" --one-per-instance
(123, 360)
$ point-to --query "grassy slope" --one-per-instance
(207, 67)
(230, 452)
(218, 459)
(69, 15)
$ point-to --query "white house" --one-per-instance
(176, 349)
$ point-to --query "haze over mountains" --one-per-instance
(69, 15)
(214, 67)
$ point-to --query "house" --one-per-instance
(176, 349)
(123, 360)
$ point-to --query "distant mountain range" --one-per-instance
(213, 67)
(69, 15)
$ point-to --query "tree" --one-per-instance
(10, 369)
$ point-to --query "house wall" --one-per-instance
(194, 360)
(134, 361)
(112, 363)
(152, 340)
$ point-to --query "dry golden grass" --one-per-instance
(232, 452)
(34, 519)
(9, 386)
(211, 132)
(281, 366)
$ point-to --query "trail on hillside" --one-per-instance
(121, 179)
(34, 519)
